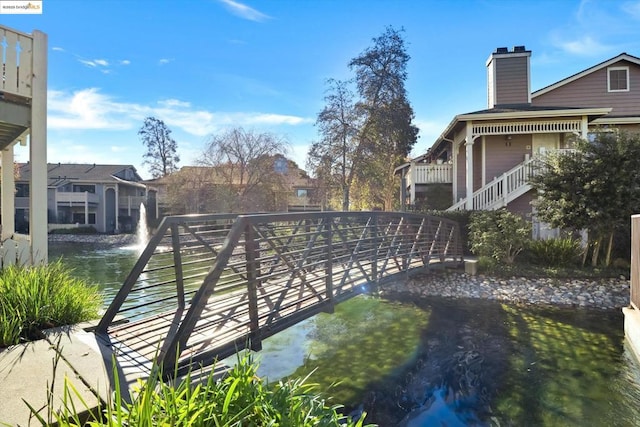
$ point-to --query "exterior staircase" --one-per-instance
(503, 189)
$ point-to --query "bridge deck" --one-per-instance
(226, 321)
(226, 283)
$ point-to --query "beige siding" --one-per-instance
(522, 205)
(502, 154)
(511, 80)
(591, 91)
(548, 141)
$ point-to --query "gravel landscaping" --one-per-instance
(99, 239)
(588, 293)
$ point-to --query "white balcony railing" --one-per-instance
(503, 189)
(16, 66)
(76, 198)
(430, 174)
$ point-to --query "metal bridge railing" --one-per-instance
(208, 285)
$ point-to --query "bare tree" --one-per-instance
(245, 161)
(161, 155)
(332, 157)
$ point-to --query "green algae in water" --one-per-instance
(365, 340)
(564, 372)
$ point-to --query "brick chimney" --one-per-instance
(508, 77)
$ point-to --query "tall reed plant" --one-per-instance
(40, 297)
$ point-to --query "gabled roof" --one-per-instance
(523, 111)
(622, 57)
(62, 173)
(293, 176)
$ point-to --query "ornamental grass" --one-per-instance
(238, 398)
(36, 298)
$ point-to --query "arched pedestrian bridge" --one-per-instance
(208, 285)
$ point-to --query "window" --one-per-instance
(81, 188)
(22, 190)
(78, 218)
(618, 79)
(301, 192)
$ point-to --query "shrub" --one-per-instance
(240, 398)
(499, 234)
(559, 252)
(76, 230)
(36, 298)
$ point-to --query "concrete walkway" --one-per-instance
(27, 374)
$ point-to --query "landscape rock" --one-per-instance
(611, 293)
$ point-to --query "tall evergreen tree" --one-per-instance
(387, 134)
(364, 139)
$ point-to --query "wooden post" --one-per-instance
(8, 194)
(635, 261)
(469, 170)
(414, 175)
(38, 152)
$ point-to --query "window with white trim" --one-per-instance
(618, 79)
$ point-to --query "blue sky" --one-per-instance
(203, 66)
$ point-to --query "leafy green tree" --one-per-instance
(387, 133)
(500, 235)
(597, 188)
(161, 155)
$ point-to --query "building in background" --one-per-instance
(105, 197)
(483, 159)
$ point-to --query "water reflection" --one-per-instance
(439, 362)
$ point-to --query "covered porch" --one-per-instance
(494, 152)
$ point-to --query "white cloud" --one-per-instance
(83, 109)
(57, 49)
(90, 109)
(244, 11)
(274, 119)
(118, 149)
(94, 63)
(88, 63)
(582, 46)
(125, 62)
(174, 103)
(632, 8)
(299, 154)
(69, 151)
(164, 61)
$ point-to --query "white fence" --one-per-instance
(430, 174)
(16, 51)
(15, 251)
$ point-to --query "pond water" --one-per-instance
(442, 362)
